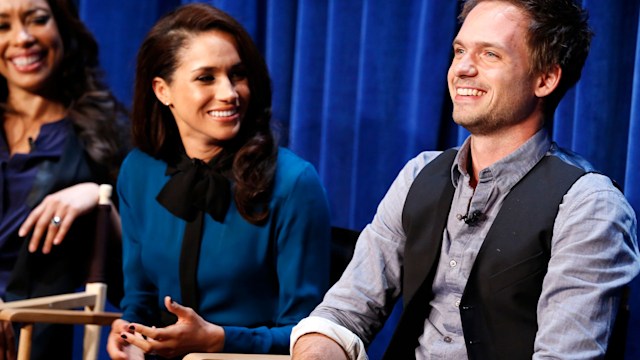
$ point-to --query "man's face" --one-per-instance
(490, 83)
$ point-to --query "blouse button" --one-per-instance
(453, 263)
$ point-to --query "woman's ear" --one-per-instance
(548, 81)
(162, 90)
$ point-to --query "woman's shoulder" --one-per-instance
(291, 165)
(293, 170)
(138, 161)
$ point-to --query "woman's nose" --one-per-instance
(227, 91)
(23, 36)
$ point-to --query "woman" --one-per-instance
(59, 141)
(207, 174)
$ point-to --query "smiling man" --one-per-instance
(506, 248)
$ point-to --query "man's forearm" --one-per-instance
(317, 347)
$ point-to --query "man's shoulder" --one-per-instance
(414, 166)
(593, 180)
(571, 158)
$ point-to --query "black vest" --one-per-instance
(498, 306)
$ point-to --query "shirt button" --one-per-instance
(447, 339)
(453, 263)
(458, 303)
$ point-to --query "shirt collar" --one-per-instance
(509, 170)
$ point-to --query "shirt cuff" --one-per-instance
(350, 342)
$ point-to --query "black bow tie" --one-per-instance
(196, 186)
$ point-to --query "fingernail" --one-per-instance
(131, 327)
(123, 336)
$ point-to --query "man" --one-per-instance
(510, 248)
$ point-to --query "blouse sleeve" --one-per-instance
(302, 231)
(139, 301)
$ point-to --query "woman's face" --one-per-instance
(30, 44)
(208, 93)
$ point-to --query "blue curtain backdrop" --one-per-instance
(360, 88)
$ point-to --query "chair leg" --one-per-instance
(92, 332)
(24, 345)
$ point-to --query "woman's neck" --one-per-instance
(33, 108)
(24, 115)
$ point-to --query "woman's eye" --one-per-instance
(205, 78)
(238, 74)
(41, 20)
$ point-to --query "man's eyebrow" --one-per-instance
(482, 44)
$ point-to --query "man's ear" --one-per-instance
(548, 81)
(162, 90)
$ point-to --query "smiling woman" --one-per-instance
(60, 139)
(208, 94)
(210, 204)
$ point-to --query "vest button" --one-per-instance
(447, 339)
(453, 263)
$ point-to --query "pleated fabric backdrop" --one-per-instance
(360, 88)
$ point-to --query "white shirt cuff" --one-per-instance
(349, 341)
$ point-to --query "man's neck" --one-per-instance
(485, 150)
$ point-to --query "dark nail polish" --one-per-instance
(131, 327)
(123, 336)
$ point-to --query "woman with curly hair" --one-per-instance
(226, 237)
(60, 139)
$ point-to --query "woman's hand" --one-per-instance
(191, 333)
(117, 347)
(65, 205)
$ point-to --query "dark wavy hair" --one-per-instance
(154, 128)
(559, 34)
(96, 114)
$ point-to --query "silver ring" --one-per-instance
(56, 221)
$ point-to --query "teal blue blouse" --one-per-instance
(256, 282)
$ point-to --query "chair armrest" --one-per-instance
(222, 356)
(58, 316)
(64, 301)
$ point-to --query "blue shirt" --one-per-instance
(255, 281)
(594, 252)
(17, 173)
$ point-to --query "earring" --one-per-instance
(167, 103)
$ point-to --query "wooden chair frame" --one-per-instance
(59, 309)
